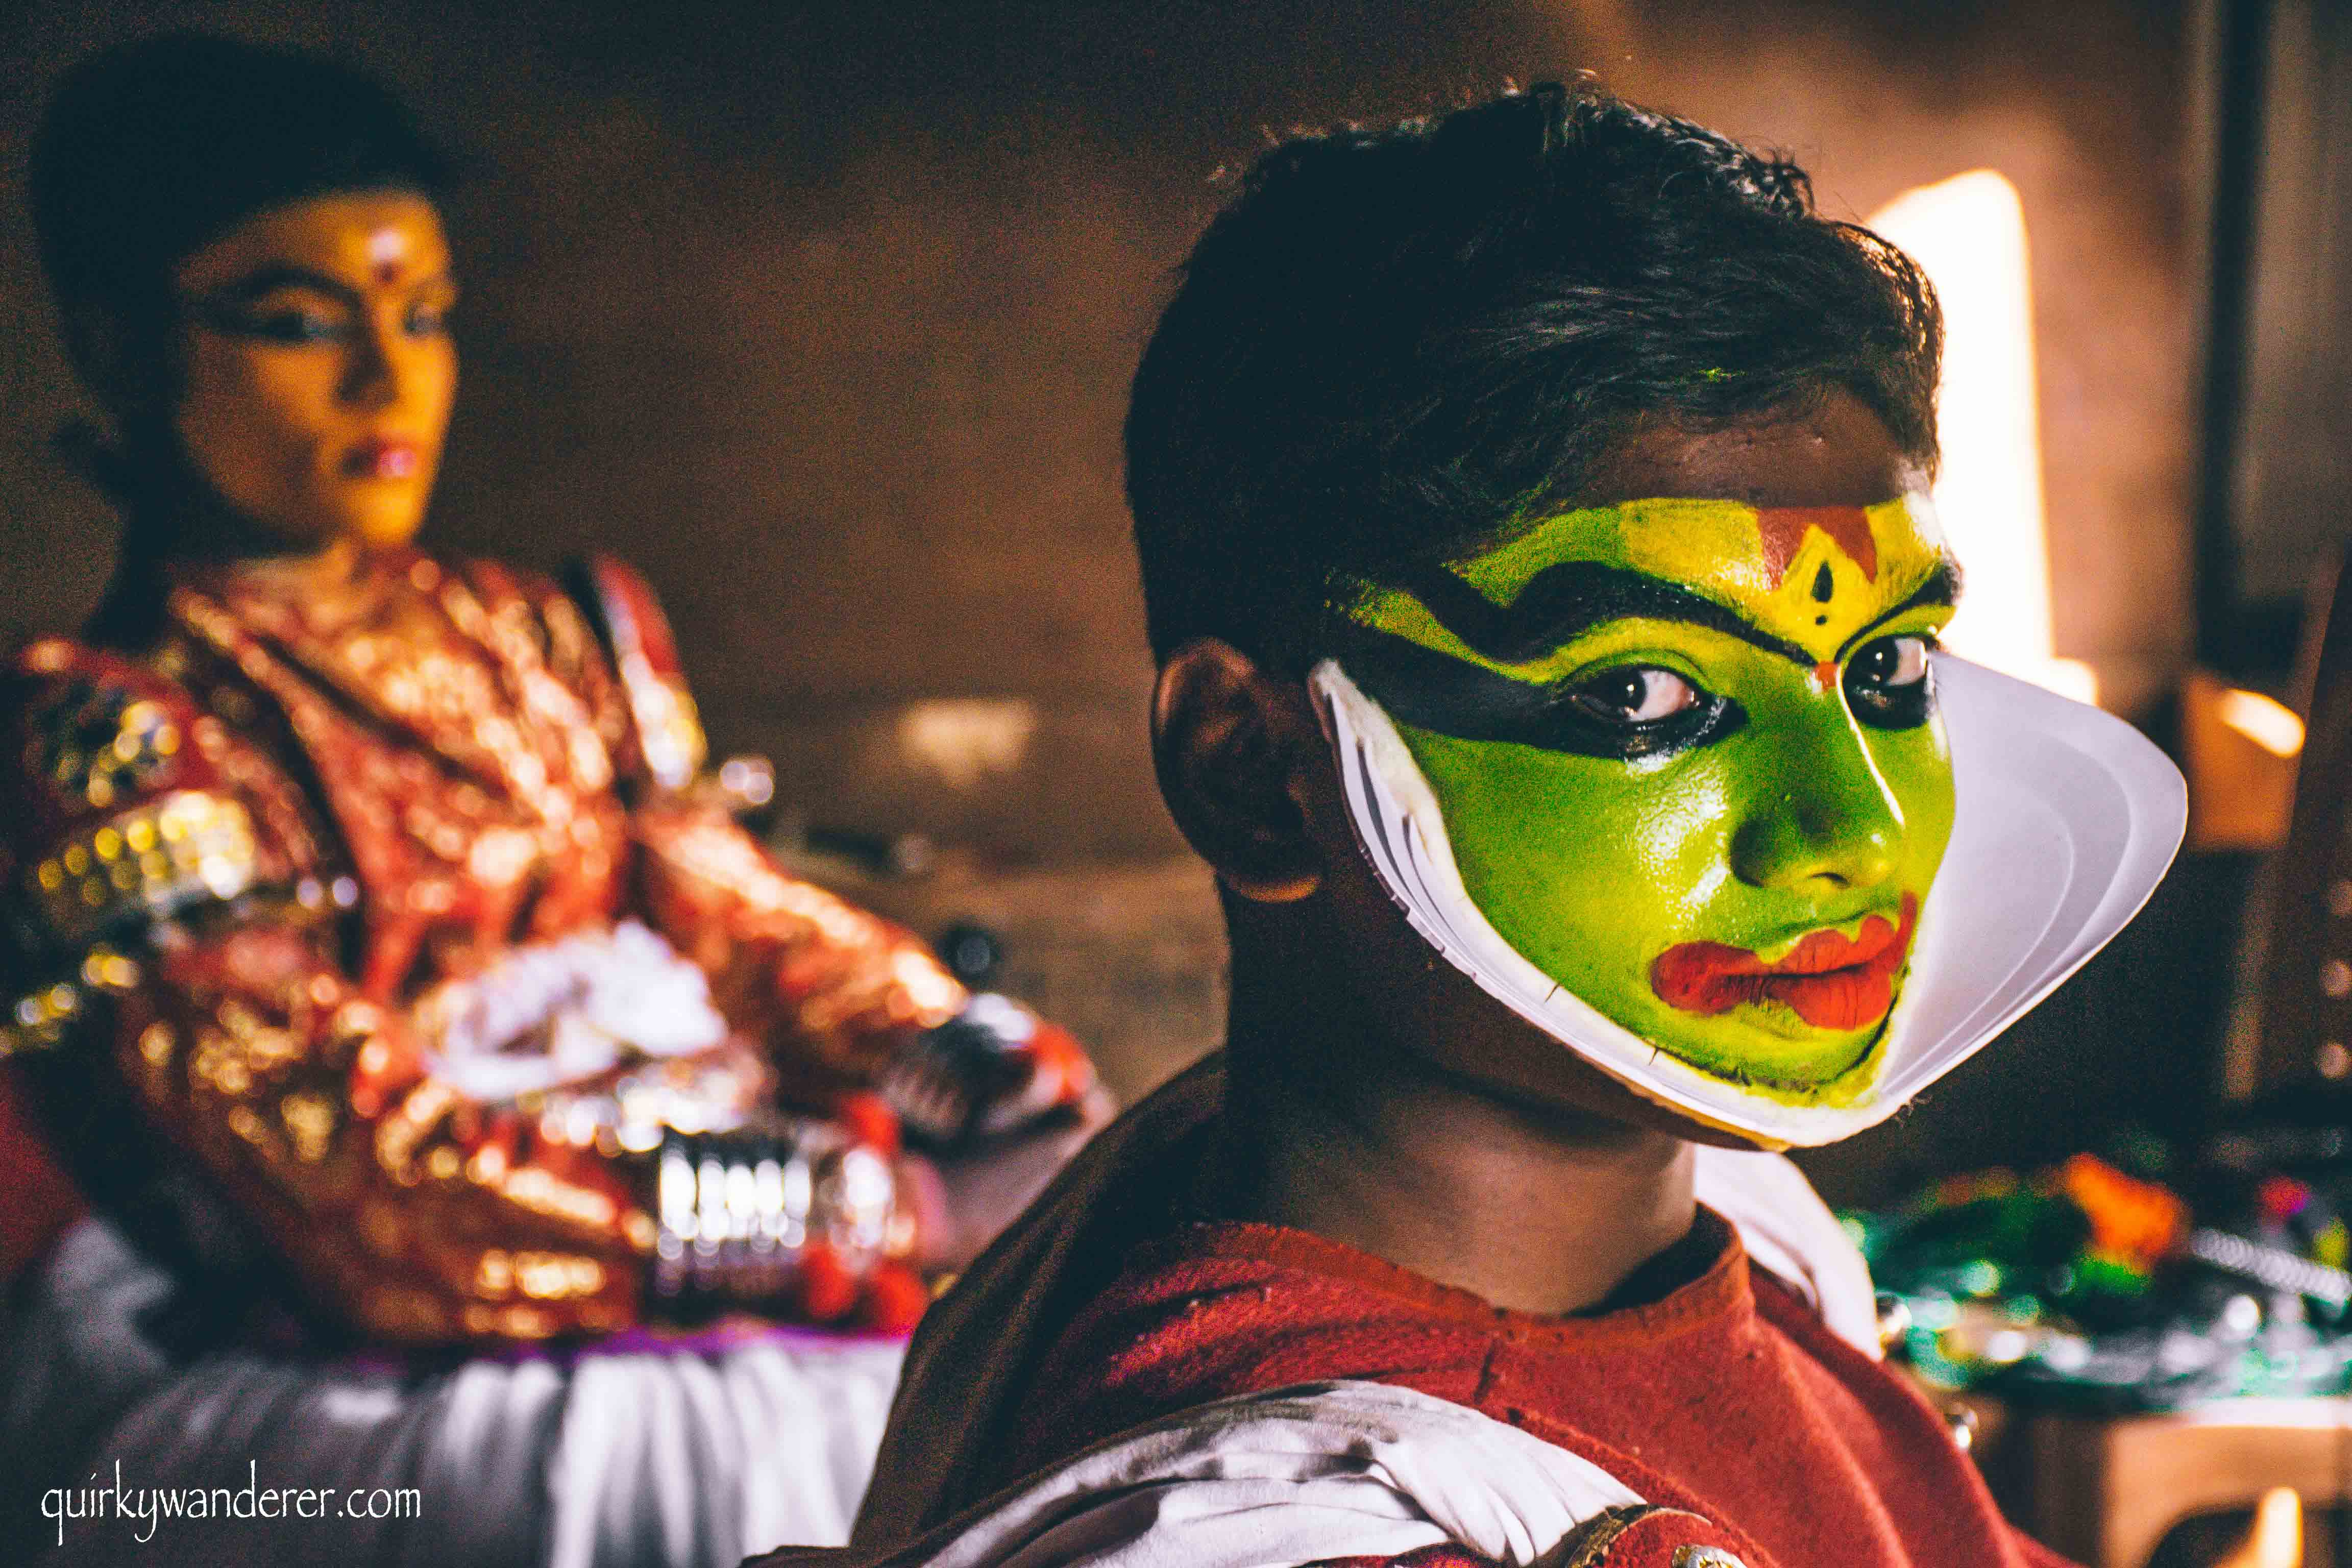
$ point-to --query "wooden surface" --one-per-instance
(2105, 1490)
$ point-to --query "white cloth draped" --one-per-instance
(1791, 1235)
(691, 1456)
(1279, 1479)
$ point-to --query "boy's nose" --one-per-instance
(1833, 827)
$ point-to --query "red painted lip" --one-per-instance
(378, 458)
(1829, 980)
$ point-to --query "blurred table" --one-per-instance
(2106, 1489)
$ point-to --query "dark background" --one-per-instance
(823, 313)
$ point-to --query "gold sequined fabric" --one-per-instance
(300, 811)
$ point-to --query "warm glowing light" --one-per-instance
(2276, 1539)
(751, 779)
(1968, 234)
(966, 740)
(2270, 725)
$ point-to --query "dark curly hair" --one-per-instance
(1394, 343)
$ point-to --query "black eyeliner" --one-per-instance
(1437, 692)
(1941, 587)
(1567, 599)
(1882, 707)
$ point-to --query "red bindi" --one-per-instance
(1782, 531)
(388, 249)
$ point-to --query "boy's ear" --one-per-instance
(1233, 745)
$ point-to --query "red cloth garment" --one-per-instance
(1116, 1303)
(1725, 1399)
(41, 1198)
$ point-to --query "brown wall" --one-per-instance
(825, 314)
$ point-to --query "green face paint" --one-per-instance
(1688, 763)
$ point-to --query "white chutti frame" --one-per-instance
(2066, 819)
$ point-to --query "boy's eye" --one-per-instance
(1640, 694)
(1887, 683)
(426, 320)
(1623, 713)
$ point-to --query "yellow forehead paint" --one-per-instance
(1811, 576)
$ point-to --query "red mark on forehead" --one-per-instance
(388, 249)
(1781, 530)
(1824, 675)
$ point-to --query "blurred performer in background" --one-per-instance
(408, 1004)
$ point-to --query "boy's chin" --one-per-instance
(1608, 1098)
(1782, 1058)
(1765, 1046)
(1548, 1079)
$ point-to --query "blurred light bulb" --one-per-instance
(1968, 234)
(2270, 725)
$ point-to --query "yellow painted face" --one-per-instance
(1688, 760)
(316, 367)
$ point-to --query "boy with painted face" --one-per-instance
(1687, 756)
(1530, 511)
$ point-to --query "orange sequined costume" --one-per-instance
(323, 885)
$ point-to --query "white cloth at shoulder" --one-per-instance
(1285, 1477)
(1792, 1236)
